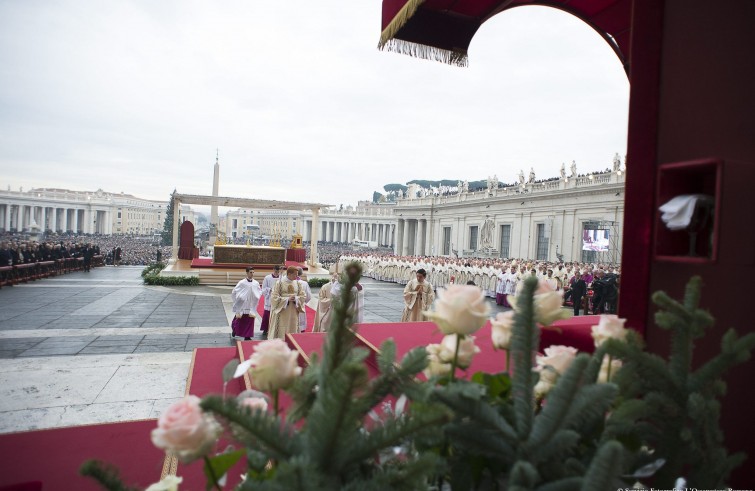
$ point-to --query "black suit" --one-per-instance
(579, 290)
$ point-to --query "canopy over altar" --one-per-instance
(257, 204)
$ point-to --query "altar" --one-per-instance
(241, 254)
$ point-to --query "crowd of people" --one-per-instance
(597, 284)
(114, 249)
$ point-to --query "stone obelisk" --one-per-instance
(214, 208)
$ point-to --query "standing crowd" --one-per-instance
(589, 287)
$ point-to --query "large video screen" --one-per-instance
(595, 240)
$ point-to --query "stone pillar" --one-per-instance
(421, 232)
(405, 239)
(313, 244)
(399, 237)
(6, 219)
(75, 221)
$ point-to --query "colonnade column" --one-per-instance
(405, 239)
(313, 244)
(421, 231)
(6, 221)
(399, 236)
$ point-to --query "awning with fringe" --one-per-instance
(441, 30)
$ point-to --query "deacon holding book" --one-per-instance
(245, 297)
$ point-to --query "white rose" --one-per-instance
(273, 365)
(435, 367)
(547, 381)
(467, 350)
(609, 327)
(548, 304)
(502, 327)
(460, 309)
(185, 430)
(170, 483)
(557, 357)
(603, 376)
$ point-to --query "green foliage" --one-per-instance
(395, 187)
(490, 432)
(167, 233)
(317, 282)
(153, 269)
(376, 196)
(105, 474)
(671, 408)
(155, 279)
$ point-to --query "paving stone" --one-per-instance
(99, 350)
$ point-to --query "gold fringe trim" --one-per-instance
(415, 50)
(398, 21)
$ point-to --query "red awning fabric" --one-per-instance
(441, 30)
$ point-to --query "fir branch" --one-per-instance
(560, 399)
(604, 468)
(387, 356)
(105, 474)
(523, 476)
(262, 429)
(331, 416)
(566, 484)
(483, 441)
(733, 352)
(476, 409)
(524, 342)
(392, 432)
(558, 445)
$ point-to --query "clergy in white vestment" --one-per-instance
(324, 306)
(245, 297)
(307, 298)
(267, 290)
(418, 297)
(356, 309)
(287, 301)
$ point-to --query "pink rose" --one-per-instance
(502, 328)
(185, 430)
(460, 309)
(557, 357)
(609, 327)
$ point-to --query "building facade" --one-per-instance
(85, 212)
(544, 220)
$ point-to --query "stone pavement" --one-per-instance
(101, 346)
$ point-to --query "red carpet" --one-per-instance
(576, 332)
(54, 456)
(411, 335)
(206, 262)
(206, 372)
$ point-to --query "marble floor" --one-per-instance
(99, 347)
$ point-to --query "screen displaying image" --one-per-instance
(595, 240)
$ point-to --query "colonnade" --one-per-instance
(23, 217)
(347, 231)
(414, 238)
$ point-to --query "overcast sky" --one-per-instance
(135, 96)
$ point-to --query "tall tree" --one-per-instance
(167, 233)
